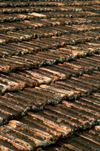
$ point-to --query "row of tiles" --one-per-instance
(21, 137)
(41, 9)
(30, 34)
(86, 140)
(43, 23)
(46, 43)
(49, 74)
(45, 15)
(47, 3)
(51, 124)
(49, 57)
(37, 98)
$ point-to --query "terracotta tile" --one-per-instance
(88, 139)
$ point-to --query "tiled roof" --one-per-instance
(50, 75)
(86, 140)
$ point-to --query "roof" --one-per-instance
(86, 140)
(49, 75)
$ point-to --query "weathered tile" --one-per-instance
(86, 140)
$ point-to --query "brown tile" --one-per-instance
(86, 140)
(54, 57)
(46, 127)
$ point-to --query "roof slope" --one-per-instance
(49, 75)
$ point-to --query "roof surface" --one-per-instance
(50, 75)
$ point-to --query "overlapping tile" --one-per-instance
(37, 98)
(46, 127)
(82, 86)
(42, 58)
(15, 17)
(18, 81)
(62, 8)
(56, 34)
(22, 48)
(71, 68)
(30, 3)
(50, 57)
(29, 99)
(29, 34)
(43, 23)
(57, 69)
(86, 140)
(47, 3)
(8, 85)
(49, 74)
